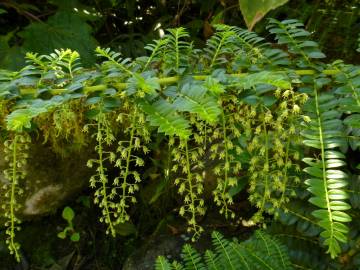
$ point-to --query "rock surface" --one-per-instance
(144, 258)
(51, 180)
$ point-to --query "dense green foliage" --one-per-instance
(275, 120)
(127, 25)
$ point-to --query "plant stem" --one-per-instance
(226, 167)
(189, 179)
(266, 165)
(102, 175)
(163, 81)
(126, 173)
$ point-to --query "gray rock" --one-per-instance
(165, 245)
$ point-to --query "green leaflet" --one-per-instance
(163, 115)
(162, 264)
(20, 119)
(194, 98)
(192, 259)
(279, 80)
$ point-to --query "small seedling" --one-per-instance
(68, 214)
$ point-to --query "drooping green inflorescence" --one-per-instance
(276, 123)
(16, 154)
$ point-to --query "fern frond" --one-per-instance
(275, 250)
(302, 248)
(299, 215)
(261, 251)
(226, 255)
(177, 266)
(163, 115)
(192, 258)
(327, 182)
(211, 260)
(162, 263)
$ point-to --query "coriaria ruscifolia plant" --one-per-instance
(253, 109)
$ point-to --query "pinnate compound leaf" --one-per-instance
(194, 99)
(163, 115)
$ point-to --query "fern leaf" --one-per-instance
(192, 258)
(224, 251)
(263, 251)
(211, 260)
(257, 261)
(327, 181)
(177, 266)
(242, 261)
(163, 115)
(275, 249)
(162, 263)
